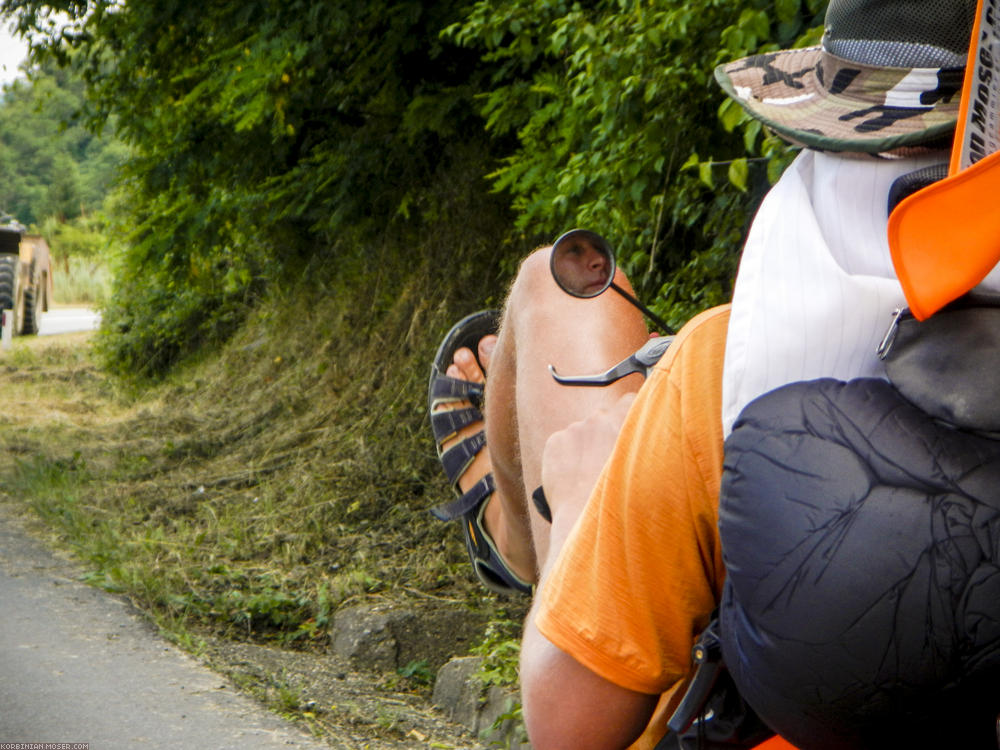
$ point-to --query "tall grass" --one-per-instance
(80, 280)
(81, 274)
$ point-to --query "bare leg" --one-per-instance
(541, 325)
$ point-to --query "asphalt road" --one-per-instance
(78, 665)
(67, 320)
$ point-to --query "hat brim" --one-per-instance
(810, 98)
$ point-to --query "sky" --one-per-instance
(12, 52)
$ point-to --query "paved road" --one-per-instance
(79, 666)
(68, 320)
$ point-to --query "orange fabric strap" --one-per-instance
(945, 238)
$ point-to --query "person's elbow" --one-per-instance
(569, 707)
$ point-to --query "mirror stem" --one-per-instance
(664, 328)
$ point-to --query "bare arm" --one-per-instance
(566, 705)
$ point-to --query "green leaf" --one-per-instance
(731, 114)
(750, 133)
(775, 167)
(705, 173)
(786, 10)
(738, 173)
(811, 38)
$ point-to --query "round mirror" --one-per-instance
(582, 263)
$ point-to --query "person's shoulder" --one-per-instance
(711, 314)
(702, 336)
(712, 322)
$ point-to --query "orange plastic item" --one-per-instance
(776, 743)
(945, 238)
(959, 152)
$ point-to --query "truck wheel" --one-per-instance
(34, 303)
(8, 284)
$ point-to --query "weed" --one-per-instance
(277, 692)
(22, 357)
(387, 718)
(289, 699)
(417, 672)
(184, 639)
(500, 650)
(509, 727)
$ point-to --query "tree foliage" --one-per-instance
(264, 134)
(616, 117)
(50, 164)
(272, 135)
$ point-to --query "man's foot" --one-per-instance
(455, 398)
(466, 367)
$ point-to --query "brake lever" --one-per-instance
(642, 361)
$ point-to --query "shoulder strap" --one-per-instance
(712, 715)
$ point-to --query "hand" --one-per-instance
(574, 457)
(596, 713)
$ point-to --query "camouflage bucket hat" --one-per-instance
(887, 76)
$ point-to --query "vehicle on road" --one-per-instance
(25, 276)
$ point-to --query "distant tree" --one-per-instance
(304, 111)
(263, 134)
(50, 164)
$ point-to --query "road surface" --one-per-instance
(78, 665)
(68, 320)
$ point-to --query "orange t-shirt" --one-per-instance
(641, 573)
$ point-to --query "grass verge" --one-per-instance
(261, 488)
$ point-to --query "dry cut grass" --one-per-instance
(258, 490)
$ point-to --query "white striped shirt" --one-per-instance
(816, 289)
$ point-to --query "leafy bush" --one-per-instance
(264, 137)
(612, 105)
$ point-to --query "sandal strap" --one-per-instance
(541, 503)
(456, 459)
(490, 567)
(448, 422)
(470, 501)
(486, 560)
(447, 389)
(488, 563)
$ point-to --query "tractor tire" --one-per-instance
(34, 303)
(8, 283)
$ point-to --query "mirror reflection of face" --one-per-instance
(582, 267)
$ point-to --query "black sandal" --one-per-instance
(446, 423)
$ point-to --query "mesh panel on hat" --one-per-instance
(900, 33)
(895, 54)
